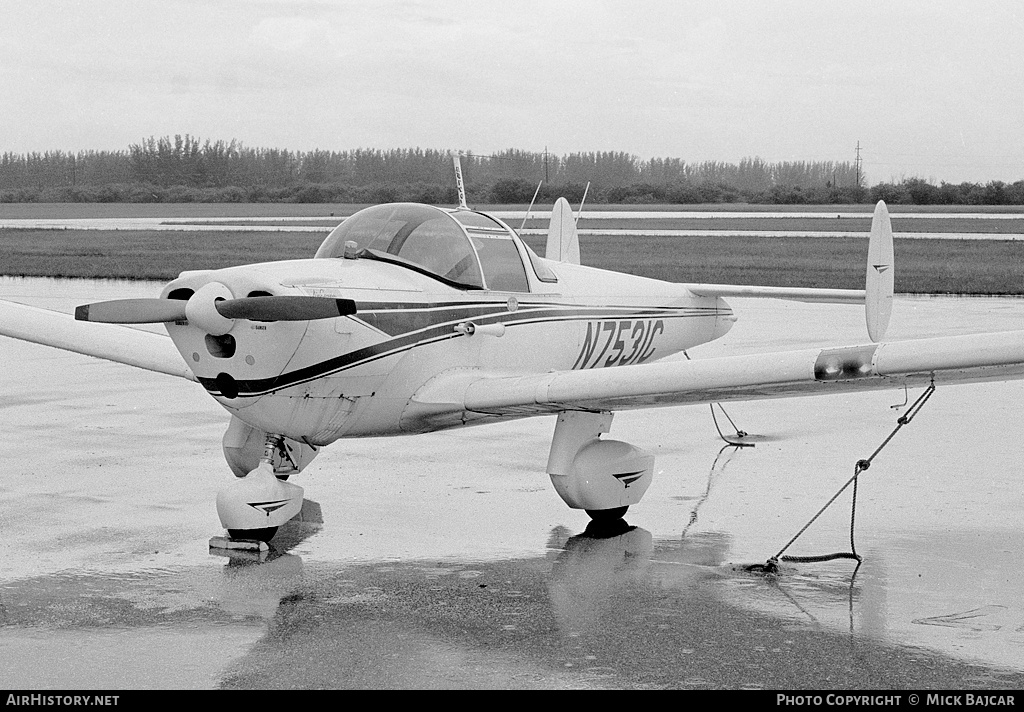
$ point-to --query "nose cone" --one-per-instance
(725, 318)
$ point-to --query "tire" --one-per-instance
(607, 515)
(265, 534)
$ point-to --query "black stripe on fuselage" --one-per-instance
(404, 318)
(440, 331)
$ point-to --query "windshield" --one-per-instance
(420, 234)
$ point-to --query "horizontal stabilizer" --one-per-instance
(794, 294)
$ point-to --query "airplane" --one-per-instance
(413, 318)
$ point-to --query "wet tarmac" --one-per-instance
(447, 561)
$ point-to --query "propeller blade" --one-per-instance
(132, 311)
(153, 311)
(286, 308)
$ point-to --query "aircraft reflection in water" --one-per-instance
(595, 564)
(606, 608)
(595, 571)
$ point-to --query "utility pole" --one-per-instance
(546, 165)
(857, 163)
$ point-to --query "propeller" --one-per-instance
(150, 311)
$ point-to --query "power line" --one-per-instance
(955, 165)
(929, 155)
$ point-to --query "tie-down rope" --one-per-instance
(772, 565)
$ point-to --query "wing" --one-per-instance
(954, 359)
(142, 349)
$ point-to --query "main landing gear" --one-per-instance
(601, 477)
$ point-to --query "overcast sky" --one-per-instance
(931, 89)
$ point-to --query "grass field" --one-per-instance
(923, 265)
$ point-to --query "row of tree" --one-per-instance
(186, 169)
(186, 161)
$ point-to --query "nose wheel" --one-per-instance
(265, 534)
(253, 507)
(602, 516)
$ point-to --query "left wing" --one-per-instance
(952, 359)
(142, 349)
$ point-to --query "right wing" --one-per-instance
(142, 349)
(952, 359)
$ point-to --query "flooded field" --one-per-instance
(603, 221)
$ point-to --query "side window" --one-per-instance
(503, 267)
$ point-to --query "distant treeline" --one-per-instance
(184, 169)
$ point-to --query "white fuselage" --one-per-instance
(318, 381)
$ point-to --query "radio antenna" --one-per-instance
(580, 211)
(458, 181)
(529, 209)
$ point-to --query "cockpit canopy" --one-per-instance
(463, 248)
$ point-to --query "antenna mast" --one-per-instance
(530, 209)
(580, 212)
(458, 181)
